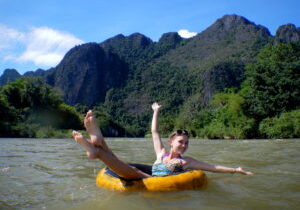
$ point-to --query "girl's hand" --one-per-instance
(241, 171)
(156, 106)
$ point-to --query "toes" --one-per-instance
(88, 120)
(77, 135)
(89, 113)
(92, 119)
(74, 133)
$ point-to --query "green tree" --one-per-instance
(30, 92)
(28, 104)
(8, 116)
(229, 119)
(107, 125)
(287, 125)
(273, 82)
(68, 117)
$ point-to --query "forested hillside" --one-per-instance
(233, 80)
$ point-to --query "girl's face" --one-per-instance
(179, 144)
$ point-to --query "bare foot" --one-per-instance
(92, 129)
(91, 151)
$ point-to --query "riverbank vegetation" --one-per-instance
(30, 108)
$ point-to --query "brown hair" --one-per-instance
(178, 133)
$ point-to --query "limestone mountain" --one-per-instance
(36, 73)
(230, 36)
(232, 39)
(124, 74)
(137, 50)
(9, 75)
(86, 73)
(287, 33)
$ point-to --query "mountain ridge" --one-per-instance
(128, 66)
(282, 34)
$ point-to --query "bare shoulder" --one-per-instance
(162, 152)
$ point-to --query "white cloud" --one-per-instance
(9, 37)
(41, 45)
(186, 34)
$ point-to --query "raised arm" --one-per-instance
(158, 145)
(195, 164)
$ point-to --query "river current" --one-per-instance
(55, 174)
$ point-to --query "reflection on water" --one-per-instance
(55, 174)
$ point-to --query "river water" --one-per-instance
(55, 174)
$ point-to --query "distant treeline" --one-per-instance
(265, 105)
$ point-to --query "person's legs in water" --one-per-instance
(110, 160)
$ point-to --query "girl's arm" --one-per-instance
(158, 145)
(195, 164)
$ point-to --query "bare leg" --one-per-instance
(94, 131)
(110, 160)
(96, 137)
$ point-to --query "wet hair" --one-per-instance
(178, 133)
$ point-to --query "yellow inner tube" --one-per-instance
(189, 180)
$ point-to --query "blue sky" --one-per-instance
(36, 34)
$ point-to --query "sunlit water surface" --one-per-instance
(55, 174)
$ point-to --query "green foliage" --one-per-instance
(183, 75)
(108, 126)
(287, 125)
(7, 113)
(131, 106)
(271, 87)
(28, 104)
(226, 74)
(193, 115)
(229, 120)
(131, 72)
(50, 132)
(22, 130)
(68, 118)
(166, 125)
(30, 92)
(273, 82)
(81, 108)
(179, 73)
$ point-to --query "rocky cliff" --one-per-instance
(9, 75)
(87, 72)
(123, 68)
(287, 33)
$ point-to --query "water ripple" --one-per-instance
(56, 174)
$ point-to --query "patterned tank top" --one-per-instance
(160, 168)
